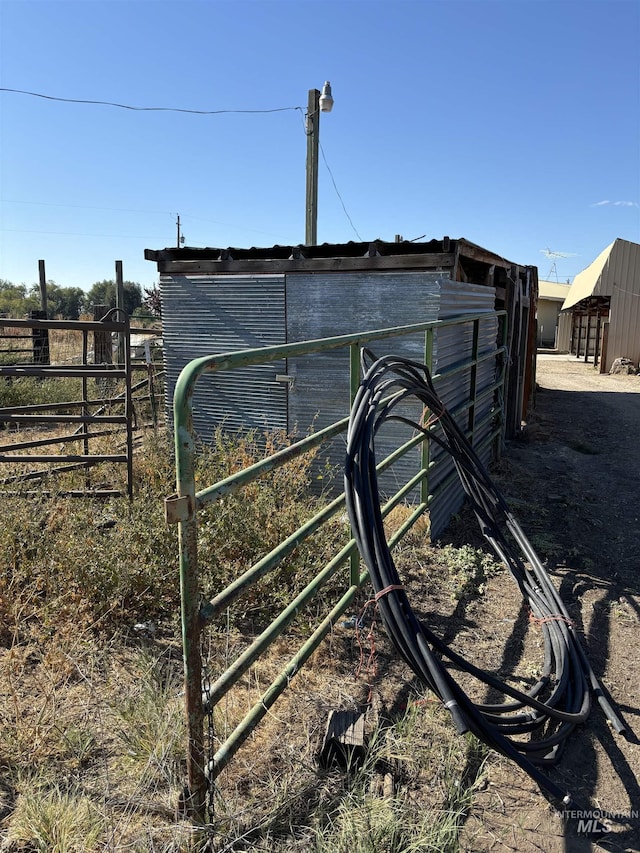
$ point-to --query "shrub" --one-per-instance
(112, 564)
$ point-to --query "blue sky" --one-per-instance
(515, 124)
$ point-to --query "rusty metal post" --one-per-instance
(184, 512)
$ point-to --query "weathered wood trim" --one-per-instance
(428, 263)
(455, 275)
(477, 253)
(491, 273)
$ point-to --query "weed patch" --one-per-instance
(55, 821)
(93, 746)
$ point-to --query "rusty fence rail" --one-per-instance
(22, 343)
(91, 418)
(203, 764)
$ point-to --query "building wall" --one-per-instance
(548, 311)
(623, 284)
(610, 285)
(203, 315)
(563, 340)
(327, 304)
(207, 314)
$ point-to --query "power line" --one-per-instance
(333, 181)
(86, 207)
(187, 215)
(144, 109)
(230, 225)
(175, 110)
(78, 234)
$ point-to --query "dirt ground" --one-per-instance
(572, 481)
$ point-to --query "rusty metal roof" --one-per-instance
(366, 255)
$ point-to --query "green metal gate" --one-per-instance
(182, 509)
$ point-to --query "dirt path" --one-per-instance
(573, 483)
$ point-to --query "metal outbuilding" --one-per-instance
(217, 300)
(604, 302)
(224, 300)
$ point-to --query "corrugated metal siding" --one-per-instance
(455, 345)
(563, 340)
(621, 279)
(205, 315)
(332, 304)
(322, 305)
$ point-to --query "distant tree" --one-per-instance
(64, 302)
(69, 302)
(152, 301)
(15, 301)
(104, 293)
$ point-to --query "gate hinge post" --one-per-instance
(177, 508)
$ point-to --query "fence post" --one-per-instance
(120, 304)
(102, 353)
(43, 288)
(354, 379)
(40, 338)
(190, 598)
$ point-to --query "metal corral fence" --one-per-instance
(65, 404)
(480, 413)
(24, 344)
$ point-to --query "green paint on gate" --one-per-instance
(182, 509)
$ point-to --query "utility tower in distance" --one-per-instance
(553, 257)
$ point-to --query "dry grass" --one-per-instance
(65, 345)
(92, 751)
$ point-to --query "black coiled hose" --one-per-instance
(561, 698)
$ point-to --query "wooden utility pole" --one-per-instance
(313, 145)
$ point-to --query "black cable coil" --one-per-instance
(561, 698)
